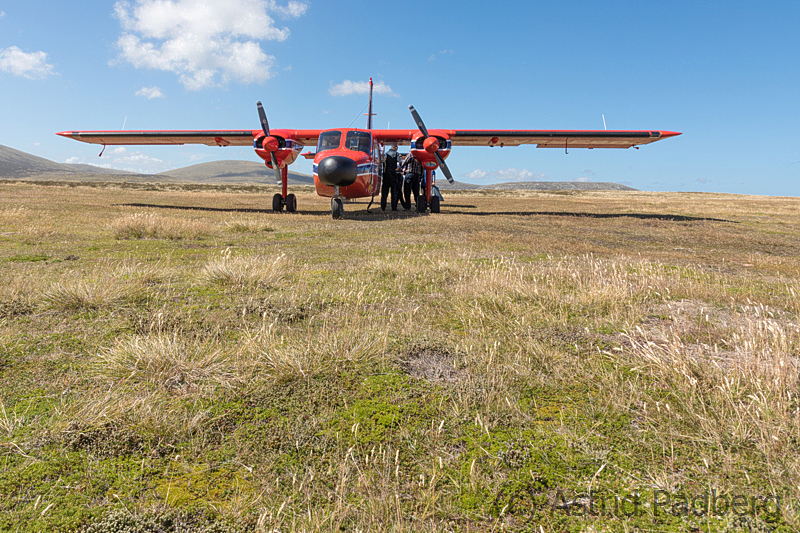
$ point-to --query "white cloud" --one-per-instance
(476, 174)
(206, 43)
(292, 10)
(432, 58)
(150, 92)
(582, 179)
(506, 175)
(2, 14)
(32, 66)
(348, 87)
(120, 158)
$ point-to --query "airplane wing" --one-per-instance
(558, 138)
(132, 137)
(541, 138)
(174, 137)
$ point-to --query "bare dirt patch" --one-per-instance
(433, 364)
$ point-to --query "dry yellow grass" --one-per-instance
(394, 371)
(152, 226)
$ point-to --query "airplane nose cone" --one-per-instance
(337, 170)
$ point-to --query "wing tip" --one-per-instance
(665, 134)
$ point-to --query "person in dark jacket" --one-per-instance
(391, 179)
(412, 174)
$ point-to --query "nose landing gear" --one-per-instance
(337, 206)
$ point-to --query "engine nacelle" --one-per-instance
(285, 148)
(423, 148)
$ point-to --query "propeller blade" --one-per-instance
(278, 176)
(262, 115)
(418, 120)
(444, 168)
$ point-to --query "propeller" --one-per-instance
(265, 127)
(424, 130)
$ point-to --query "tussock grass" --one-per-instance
(145, 273)
(742, 396)
(171, 364)
(71, 294)
(153, 226)
(315, 349)
(241, 272)
(151, 417)
(149, 385)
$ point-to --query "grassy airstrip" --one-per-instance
(584, 361)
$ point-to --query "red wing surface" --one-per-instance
(207, 137)
(558, 138)
(173, 137)
(541, 138)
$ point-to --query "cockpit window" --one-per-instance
(358, 141)
(328, 140)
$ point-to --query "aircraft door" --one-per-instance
(376, 168)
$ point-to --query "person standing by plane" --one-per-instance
(391, 180)
(412, 174)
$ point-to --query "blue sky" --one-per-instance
(726, 74)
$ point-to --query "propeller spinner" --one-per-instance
(430, 143)
(269, 143)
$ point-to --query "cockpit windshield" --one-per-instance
(329, 140)
(358, 141)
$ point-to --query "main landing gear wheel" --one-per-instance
(421, 204)
(277, 203)
(435, 207)
(337, 208)
(291, 203)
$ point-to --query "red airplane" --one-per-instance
(348, 161)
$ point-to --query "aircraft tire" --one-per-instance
(277, 203)
(421, 204)
(291, 203)
(435, 206)
(337, 208)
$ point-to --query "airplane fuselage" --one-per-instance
(350, 159)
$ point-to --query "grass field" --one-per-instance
(182, 359)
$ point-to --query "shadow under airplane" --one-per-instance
(375, 210)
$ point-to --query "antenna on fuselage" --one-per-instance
(369, 112)
(604, 122)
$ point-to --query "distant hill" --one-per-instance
(15, 164)
(556, 186)
(536, 186)
(92, 169)
(233, 172)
